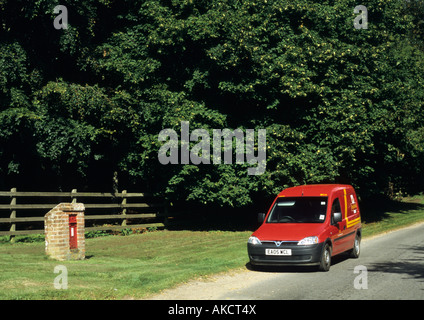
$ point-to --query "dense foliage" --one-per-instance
(82, 105)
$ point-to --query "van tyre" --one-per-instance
(354, 253)
(325, 261)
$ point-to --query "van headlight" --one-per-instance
(254, 241)
(308, 241)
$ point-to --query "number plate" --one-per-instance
(278, 252)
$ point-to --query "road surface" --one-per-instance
(390, 266)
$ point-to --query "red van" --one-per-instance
(307, 225)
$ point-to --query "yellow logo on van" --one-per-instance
(353, 206)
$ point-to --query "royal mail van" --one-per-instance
(307, 225)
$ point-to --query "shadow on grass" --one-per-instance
(245, 219)
(207, 219)
(377, 209)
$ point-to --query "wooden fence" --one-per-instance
(117, 202)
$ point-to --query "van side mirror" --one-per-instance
(337, 217)
(261, 217)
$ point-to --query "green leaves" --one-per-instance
(339, 104)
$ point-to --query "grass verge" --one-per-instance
(119, 267)
(135, 266)
(384, 216)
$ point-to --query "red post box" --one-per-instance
(73, 240)
(64, 231)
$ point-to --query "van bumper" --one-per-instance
(308, 255)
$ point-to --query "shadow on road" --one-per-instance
(282, 269)
(412, 267)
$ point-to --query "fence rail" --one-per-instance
(119, 201)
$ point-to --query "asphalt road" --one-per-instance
(390, 266)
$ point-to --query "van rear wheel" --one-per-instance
(354, 253)
(325, 261)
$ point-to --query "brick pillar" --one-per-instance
(65, 241)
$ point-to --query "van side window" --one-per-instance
(335, 208)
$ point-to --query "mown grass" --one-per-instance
(135, 266)
(120, 267)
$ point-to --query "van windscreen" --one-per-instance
(298, 210)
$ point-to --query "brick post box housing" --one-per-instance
(64, 232)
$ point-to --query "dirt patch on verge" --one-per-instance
(213, 287)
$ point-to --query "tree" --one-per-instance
(339, 104)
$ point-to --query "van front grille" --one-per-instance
(283, 243)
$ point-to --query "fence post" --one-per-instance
(12, 216)
(74, 198)
(124, 210)
(166, 211)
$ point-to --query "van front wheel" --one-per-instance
(325, 261)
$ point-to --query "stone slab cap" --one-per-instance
(67, 207)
